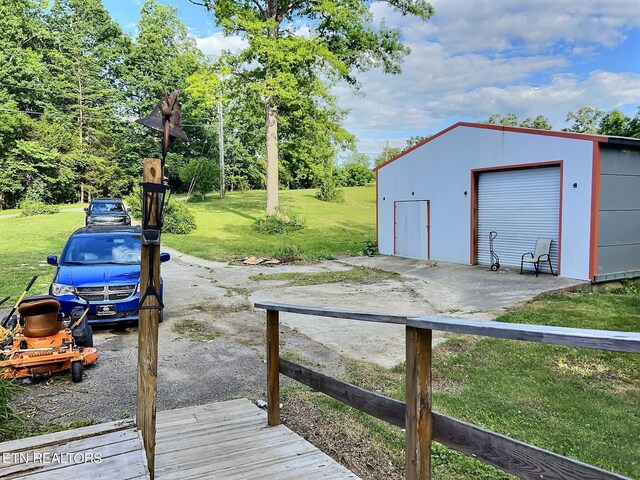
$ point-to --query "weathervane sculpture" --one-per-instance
(166, 117)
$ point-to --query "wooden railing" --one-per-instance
(422, 425)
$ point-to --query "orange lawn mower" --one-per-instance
(36, 344)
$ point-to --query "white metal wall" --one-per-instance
(520, 205)
(440, 170)
(411, 229)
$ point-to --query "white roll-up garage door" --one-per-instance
(521, 205)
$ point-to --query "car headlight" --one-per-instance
(60, 289)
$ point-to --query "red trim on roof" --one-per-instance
(533, 131)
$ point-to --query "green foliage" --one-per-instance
(202, 175)
(355, 175)
(415, 139)
(584, 120)
(290, 254)
(31, 207)
(11, 422)
(293, 72)
(178, 218)
(511, 120)
(370, 247)
(278, 224)
(329, 192)
(387, 154)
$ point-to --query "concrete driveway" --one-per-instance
(422, 288)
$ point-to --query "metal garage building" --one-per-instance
(440, 199)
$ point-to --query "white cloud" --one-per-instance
(479, 57)
(533, 26)
(216, 42)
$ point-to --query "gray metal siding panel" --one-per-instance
(619, 212)
(619, 192)
(521, 205)
(619, 228)
(618, 161)
(620, 258)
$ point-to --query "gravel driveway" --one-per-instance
(218, 297)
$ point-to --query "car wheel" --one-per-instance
(76, 371)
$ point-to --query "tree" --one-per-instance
(539, 123)
(85, 53)
(511, 120)
(387, 154)
(286, 65)
(585, 120)
(161, 55)
(201, 174)
(415, 140)
(614, 123)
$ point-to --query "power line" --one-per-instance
(105, 119)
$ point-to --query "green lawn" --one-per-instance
(580, 403)
(25, 243)
(225, 225)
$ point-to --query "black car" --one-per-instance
(107, 211)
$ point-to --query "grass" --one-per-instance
(360, 275)
(24, 245)
(580, 403)
(225, 226)
(196, 330)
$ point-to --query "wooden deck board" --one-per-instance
(111, 450)
(230, 440)
(226, 440)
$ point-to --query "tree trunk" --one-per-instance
(81, 192)
(272, 157)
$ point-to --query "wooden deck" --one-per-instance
(108, 450)
(225, 440)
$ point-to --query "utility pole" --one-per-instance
(221, 149)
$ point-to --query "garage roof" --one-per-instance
(633, 142)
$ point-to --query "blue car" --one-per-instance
(101, 265)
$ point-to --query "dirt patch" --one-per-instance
(335, 432)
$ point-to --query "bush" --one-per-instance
(369, 248)
(30, 207)
(178, 218)
(355, 175)
(328, 192)
(290, 254)
(279, 223)
(134, 202)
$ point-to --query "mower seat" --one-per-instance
(40, 316)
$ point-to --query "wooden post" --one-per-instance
(418, 420)
(148, 334)
(273, 367)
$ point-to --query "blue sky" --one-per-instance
(475, 58)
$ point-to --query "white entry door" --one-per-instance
(412, 229)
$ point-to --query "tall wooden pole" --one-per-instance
(148, 333)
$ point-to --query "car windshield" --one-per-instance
(115, 207)
(102, 248)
